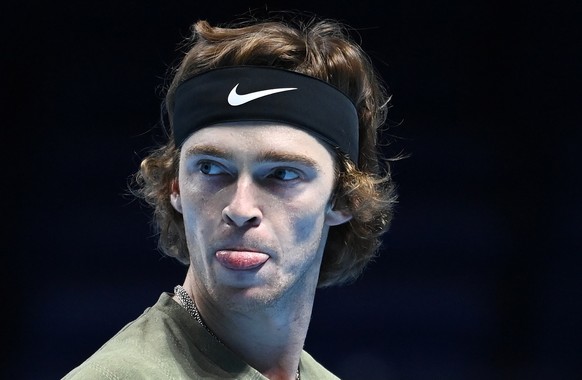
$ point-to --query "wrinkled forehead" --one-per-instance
(251, 95)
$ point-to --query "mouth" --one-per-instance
(241, 259)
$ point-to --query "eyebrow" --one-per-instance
(275, 156)
(208, 150)
(266, 156)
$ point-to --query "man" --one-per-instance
(269, 187)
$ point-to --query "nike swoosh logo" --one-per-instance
(235, 99)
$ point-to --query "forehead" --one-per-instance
(256, 137)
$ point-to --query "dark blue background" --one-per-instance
(479, 277)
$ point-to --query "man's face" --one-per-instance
(256, 205)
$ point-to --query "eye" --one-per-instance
(211, 168)
(284, 174)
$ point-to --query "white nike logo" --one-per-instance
(235, 99)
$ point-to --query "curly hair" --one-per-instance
(322, 49)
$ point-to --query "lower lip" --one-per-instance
(241, 260)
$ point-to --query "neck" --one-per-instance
(268, 338)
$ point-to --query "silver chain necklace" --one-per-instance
(191, 308)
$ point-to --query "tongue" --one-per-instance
(241, 260)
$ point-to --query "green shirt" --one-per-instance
(165, 342)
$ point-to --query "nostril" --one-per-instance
(239, 219)
(227, 219)
(253, 221)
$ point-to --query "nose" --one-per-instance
(243, 209)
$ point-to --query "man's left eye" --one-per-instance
(284, 174)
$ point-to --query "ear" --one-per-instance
(175, 196)
(336, 217)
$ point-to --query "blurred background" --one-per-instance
(479, 275)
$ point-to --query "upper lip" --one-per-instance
(243, 242)
(245, 247)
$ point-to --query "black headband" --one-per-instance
(261, 93)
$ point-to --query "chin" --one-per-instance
(250, 298)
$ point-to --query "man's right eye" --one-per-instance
(210, 168)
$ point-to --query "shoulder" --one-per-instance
(111, 367)
(311, 369)
(149, 347)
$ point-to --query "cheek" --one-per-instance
(194, 206)
(307, 225)
(306, 217)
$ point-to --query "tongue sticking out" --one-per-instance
(241, 260)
